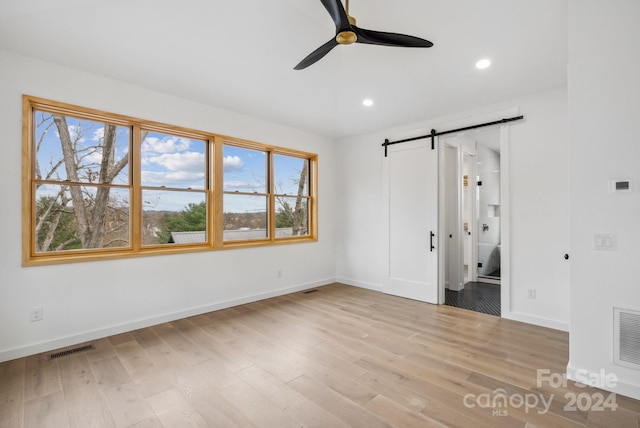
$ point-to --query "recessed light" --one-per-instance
(368, 102)
(483, 63)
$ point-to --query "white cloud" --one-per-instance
(93, 158)
(189, 161)
(98, 134)
(237, 184)
(243, 186)
(169, 144)
(179, 179)
(232, 163)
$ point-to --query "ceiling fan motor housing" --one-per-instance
(346, 37)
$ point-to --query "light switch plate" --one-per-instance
(605, 242)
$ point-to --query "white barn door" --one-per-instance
(411, 208)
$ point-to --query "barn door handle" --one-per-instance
(431, 241)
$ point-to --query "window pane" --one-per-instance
(292, 216)
(245, 170)
(100, 220)
(170, 217)
(86, 144)
(171, 161)
(291, 175)
(245, 217)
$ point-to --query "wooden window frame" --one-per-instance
(213, 188)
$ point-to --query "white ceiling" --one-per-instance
(239, 55)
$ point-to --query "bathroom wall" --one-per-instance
(488, 228)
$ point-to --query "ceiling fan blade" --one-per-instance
(338, 14)
(317, 54)
(390, 39)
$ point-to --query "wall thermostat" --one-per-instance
(620, 185)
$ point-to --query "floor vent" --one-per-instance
(626, 337)
(310, 291)
(71, 351)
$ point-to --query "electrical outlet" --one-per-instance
(36, 314)
(531, 293)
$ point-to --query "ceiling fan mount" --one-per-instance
(347, 33)
(347, 37)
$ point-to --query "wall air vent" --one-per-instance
(626, 338)
(71, 351)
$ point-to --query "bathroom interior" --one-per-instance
(475, 177)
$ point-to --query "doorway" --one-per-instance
(415, 239)
(473, 224)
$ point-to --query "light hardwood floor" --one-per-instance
(337, 357)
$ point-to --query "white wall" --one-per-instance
(453, 279)
(83, 301)
(538, 180)
(604, 114)
(488, 209)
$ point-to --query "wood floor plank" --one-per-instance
(310, 415)
(85, 404)
(133, 357)
(400, 416)
(340, 356)
(103, 349)
(394, 391)
(146, 337)
(342, 380)
(110, 372)
(214, 349)
(218, 412)
(48, 411)
(150, 378)
(174, 372)
(281, 362)
(442, 403)
(506, 371)
(152, 422)
(257, 408)
(12, 382)
(343, 408)
(185, 348)
(12, 374)
(119, 339)
(214, 375)
(127, 405)
(271, 387)
(41, 377)
(11, 409)
(552, 417)
(173, 410)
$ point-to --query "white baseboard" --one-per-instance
(61, 342)
(623, 388)
(361, 284)
(542, 322)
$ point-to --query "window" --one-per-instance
(100, 185)
(246, 195)
(173, 179)
(81, 184)
(291, 185)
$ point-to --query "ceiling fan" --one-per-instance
(347, 33)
